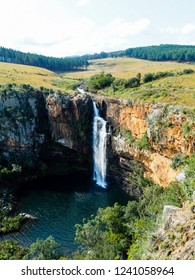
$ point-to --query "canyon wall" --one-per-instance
(45, 133)
(46, 128)
(151, 133)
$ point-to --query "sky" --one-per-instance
(74, 27)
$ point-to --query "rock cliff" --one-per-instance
(45, 133)
(152, 133)
(41, 129)
(175, 239)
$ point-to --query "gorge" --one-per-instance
(38, 127)
(52, 134)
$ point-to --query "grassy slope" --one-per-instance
(175, 90)
(35, 76)
(128, 67)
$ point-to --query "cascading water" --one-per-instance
(99, 148)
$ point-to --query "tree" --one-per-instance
(101, 81)
(148, 78)
(107, 236)
(11, 250)
(43, 250)
(132, 83)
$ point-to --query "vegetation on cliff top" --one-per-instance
(36, 77)
(129, 74)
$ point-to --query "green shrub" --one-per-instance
(11, 250)
(186, 129)
(178, 160)
(148, 78)
(189, 182)
(132, 83)
(43, 250)
(100, 81)
(118, 84)
(128, 136)
(188, 71)
(143, 143)
(9, 224)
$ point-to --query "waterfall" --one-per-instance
(99, 148)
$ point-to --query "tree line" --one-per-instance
(168, 52)
(51, 63)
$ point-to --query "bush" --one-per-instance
(100, 81)
(11, 250)
(128, 136)
(148, 78)
(9, 224)
(178, 160)
(118, 84)
(189, 182)
(132, 83)
(143, 143)
(188, 71)
(43, 250)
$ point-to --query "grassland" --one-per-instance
(174, 90)
(35, 76)
(127, 67)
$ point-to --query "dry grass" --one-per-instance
(128, 67)
(35, 76)
(175, 89)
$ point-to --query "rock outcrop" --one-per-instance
(45, 133)
(175, 238)
(52, 128)
(168, 130)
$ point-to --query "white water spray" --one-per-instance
(99, 148)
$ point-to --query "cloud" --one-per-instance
(170, 30)
(122, 28)
(63, 32)
(188, 29)
(81, 3)
(82, 36)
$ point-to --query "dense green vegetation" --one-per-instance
(39, 250)
(121, 232)
(117, 232)
(168, 52)
(51, 63)
(104, 80)
(180, 53)
(100, 81)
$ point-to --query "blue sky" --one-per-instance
(75, 27)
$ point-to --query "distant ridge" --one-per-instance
(51, 63)
(168, 52)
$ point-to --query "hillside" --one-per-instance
(177, 89)
(124, 67)
(51, 63)
(164, 52)
(35, 76)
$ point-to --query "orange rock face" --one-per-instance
(164, 126)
